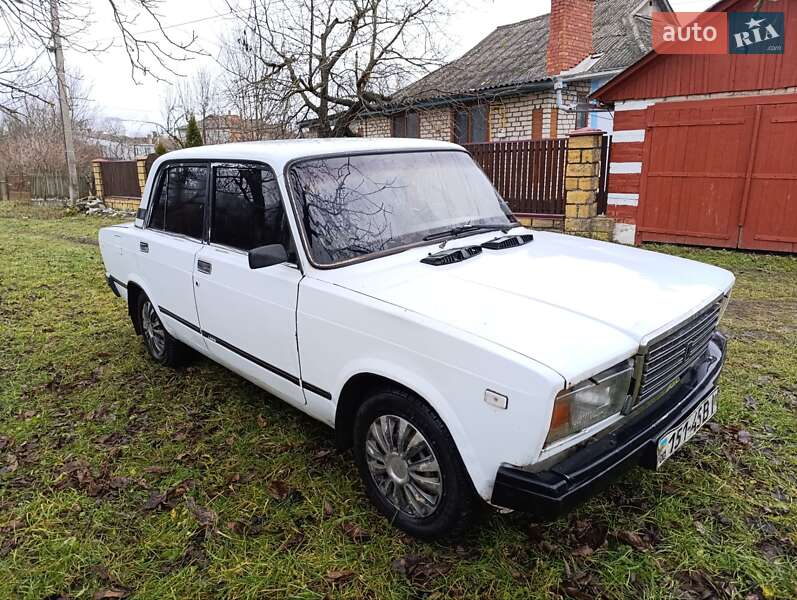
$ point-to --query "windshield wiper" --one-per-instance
(456, 232)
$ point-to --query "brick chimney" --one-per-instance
(570, 34)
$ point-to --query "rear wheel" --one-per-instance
(160, 345)
(410, 466)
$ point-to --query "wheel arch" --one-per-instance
(356, 389)
(134, 292)
(352, 395)
(135, 289)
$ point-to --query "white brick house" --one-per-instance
(503, 88)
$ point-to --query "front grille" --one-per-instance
(670, 356)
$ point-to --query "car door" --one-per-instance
(248, 315)
(169, 243)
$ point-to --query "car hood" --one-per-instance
(576, 305)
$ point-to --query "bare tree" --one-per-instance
(31, 141)
(42, 27)
(202, 91)
(26, 41)
(334, 59)
(245, 92)
(173, 114)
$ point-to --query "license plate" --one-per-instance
(674, 439)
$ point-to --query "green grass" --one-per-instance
(91, 432)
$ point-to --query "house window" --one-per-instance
(471, 124)
(406, 125)
(582, 115)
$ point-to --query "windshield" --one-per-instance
(352, 206)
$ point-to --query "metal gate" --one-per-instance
(120, 178)
(721, 173)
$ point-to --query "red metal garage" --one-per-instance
(704, 146)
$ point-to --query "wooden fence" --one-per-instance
(529, 174)
(44, 185)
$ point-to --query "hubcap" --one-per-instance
(154, 334)
(403, 466)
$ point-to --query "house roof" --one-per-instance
(647, 57)
(515, 55)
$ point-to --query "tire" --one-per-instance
(418, 483)
(160, 345)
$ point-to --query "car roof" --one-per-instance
(279, 152)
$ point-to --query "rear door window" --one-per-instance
(180, 204)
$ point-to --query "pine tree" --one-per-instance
(193, 137)
(160, 149)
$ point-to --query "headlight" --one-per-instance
(590, 402)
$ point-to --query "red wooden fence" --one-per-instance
(529, 174)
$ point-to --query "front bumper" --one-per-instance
(551, 493)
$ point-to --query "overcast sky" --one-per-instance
(114, 94)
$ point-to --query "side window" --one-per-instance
(185, 200)
(247, 209)
(158, 214)
(179, 206)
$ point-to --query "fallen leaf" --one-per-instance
(419, 569)
(584, 550)
(339, 576)
(236, 527)
(108, 594)
(535, 533)
(329, 510)
(355, 532)
(204, 516)
(294, 541)
(278, 489)
(632, 539)
(750, 403)
(403, 565)
(12, 526)
(697, 585)
(156, 470)
(744, 437)
(12, 464)
(261, 422)
(170, 497)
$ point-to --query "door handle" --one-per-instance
(204, 266)
(143, 246)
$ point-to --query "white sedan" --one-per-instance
(384, 288)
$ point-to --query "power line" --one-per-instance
(174, 25)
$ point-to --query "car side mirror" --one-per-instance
(266, 256)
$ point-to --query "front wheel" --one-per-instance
(410, 466)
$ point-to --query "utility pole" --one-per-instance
(63, 101)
